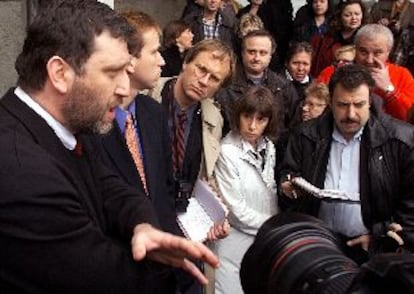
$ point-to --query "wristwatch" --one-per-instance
(389, 89)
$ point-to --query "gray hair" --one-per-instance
(371, 31)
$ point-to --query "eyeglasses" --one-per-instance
(201, 71)
(313, 105)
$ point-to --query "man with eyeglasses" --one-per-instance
(194, 119)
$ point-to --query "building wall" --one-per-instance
(12, 27)
(163, 10)
(13, 23)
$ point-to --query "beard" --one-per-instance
(85, 110)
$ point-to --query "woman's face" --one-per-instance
(185, 40)
(312, 107)
(320, 7)
(252, 127)
(299, 65)
(351, 17)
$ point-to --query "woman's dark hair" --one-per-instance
(336, 23)
(67, 29)
(329, 11)
(298, 47)
(261, 100)
(172, 31)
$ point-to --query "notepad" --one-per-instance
(204, 209)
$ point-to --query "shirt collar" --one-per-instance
(121, 115)
(64, 135)
(290, 78)
(261, 145)
(337, 136)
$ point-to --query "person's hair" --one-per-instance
(298, 47)
(172, 31)
(336, 22)
(372, 31)
(220, 51)
(351, 76)
(329, 11)
(344, 49)
(142, 23)
(259, 33)
(247, 23)
(261, 100)
(318, 90)
(67, 29)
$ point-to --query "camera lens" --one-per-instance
(296, 253)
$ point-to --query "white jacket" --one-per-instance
(248, 190)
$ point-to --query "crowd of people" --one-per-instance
(114, 119)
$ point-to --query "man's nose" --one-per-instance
(161, 61)
(123, 85)
(204, 79)
(370, 58)
(351, 112)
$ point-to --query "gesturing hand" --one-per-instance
(171, 250)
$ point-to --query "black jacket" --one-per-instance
(65, 221)
(283, 90)
(226, 29)
(386, 169)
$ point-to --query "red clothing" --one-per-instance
(324, 47)
(396, 104)
(326, 74)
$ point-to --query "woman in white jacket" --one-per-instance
(245, 178)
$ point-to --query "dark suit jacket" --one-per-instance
(155, 142)
(65, 221)
(194, 144)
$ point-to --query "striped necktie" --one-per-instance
(179, 150)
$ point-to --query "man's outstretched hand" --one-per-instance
(166, 248)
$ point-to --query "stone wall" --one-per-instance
(163, 10)
(12, 30)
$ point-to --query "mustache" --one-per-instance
(349, 120)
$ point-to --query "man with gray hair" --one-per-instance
(394, 83)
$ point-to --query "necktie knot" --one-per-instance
(129, 121)
(182, 118)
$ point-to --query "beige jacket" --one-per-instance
(212, 126)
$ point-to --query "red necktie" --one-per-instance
(179, 149)
(132, 141)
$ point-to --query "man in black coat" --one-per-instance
(68, 224)
(368, 156)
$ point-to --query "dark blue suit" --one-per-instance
(156, 147)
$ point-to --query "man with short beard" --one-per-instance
(68, 224)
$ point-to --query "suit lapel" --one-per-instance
(117, 150)
(149, 140)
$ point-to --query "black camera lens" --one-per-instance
(296, 253)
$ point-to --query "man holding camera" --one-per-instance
(368, 156)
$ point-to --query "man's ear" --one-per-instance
(61, 75)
